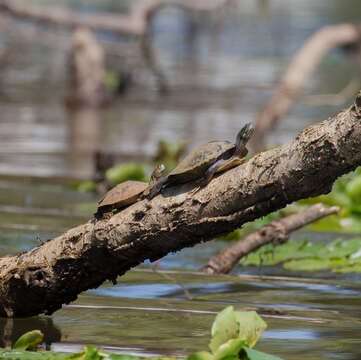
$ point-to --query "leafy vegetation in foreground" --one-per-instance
(234, 333)
(346, 193)
(302, 255)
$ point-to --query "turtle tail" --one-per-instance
(157, 187)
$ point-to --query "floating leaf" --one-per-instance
(313, 264)
(355, 268)
(340, 248)
(257, 355)
(271, 255)
(29, 341)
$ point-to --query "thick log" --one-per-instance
(298, 73)
(49, 275)
(275, 232)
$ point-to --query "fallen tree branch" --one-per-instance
(135, 23)
(86, 71)
(298, 73)
(334, 99)
(276, 232)
(51, 274)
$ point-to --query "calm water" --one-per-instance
(219, 80)
(219, 76)
(148, 313)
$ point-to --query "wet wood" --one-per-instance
(298, 73)
(276, 232)
(54, 273)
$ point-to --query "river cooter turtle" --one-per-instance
(208, 159)
(127, 193)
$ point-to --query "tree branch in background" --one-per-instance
(334, 99)
(276, 232)
(298, 72)
(42, 279)
(136, 23)
(87, 71)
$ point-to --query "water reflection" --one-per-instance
(86, 137)
(221, 73)
(11, 330)
(221, 70)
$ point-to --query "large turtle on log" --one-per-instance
(205, 161)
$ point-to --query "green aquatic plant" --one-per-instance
(302, 255)
(233, 335)
(346, 193)
(169, 153)
(126, 171)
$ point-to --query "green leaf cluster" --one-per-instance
(126, 171)
(346, 193)
(234, 333)
(169, 153)
(302, 255)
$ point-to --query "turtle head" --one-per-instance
(243, 137)
(157, 174)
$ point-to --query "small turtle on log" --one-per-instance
(127, 193)
(205, 161)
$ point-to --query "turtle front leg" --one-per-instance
(152, 191)
(219, 166)
(208, 175)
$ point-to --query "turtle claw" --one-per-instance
(195, 190)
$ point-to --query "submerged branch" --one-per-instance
(51, 274)
(276, 232)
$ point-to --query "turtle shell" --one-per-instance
(194, 165)
(122, 195)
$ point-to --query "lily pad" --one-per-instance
(314, 264)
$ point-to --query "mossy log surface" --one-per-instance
(49, 275)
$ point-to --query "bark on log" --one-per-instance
(298, 72)
(47, 276)
(275, 232)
